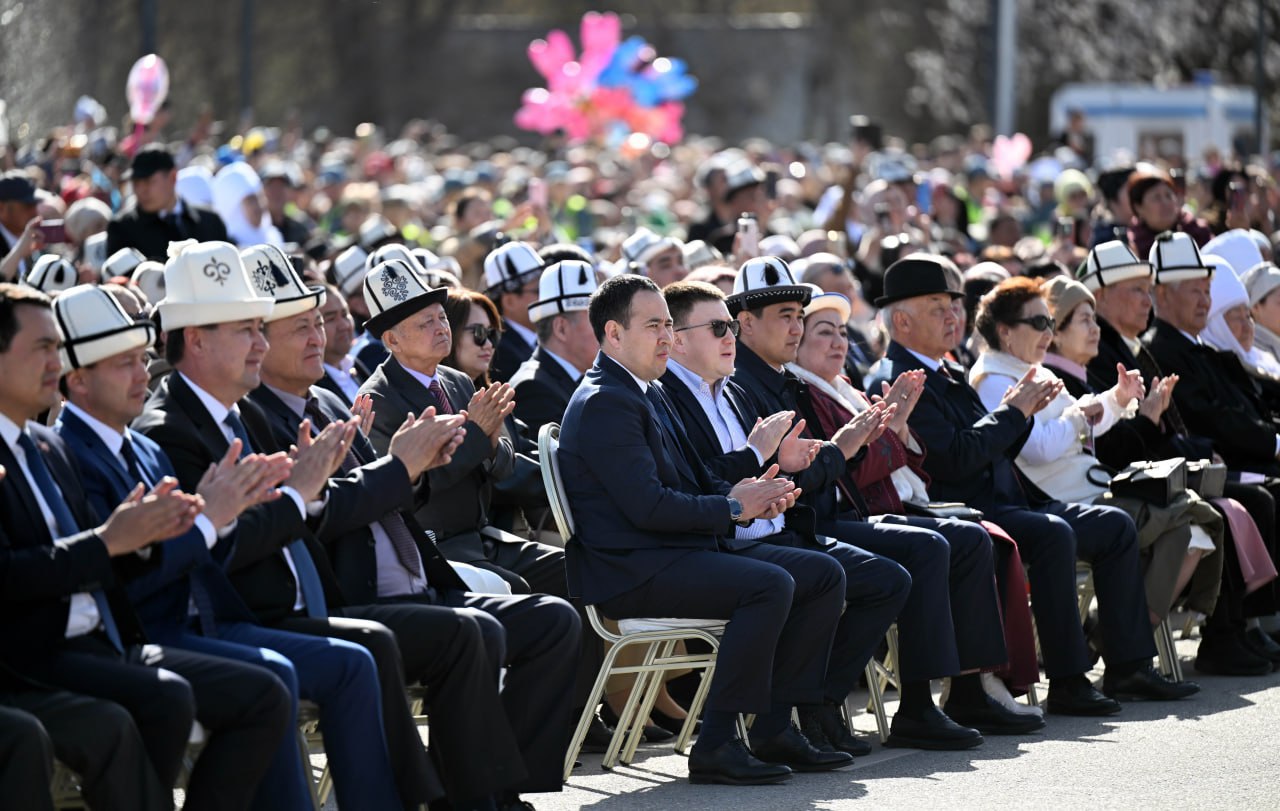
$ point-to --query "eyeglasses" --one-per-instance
(718, 327)
(1039, 323)
(482, 334)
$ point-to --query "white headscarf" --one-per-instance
(231, 185)
(1227, 291)
(195, 185)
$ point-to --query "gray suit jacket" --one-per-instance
(461, 490)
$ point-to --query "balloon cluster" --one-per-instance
(615, 91)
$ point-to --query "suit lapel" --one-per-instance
(82, 433)
(16, 484)
(199, 416)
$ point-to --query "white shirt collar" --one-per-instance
(1192, 338)
(9, 431)
(1134, 344)
(644, 386)
(113, 439)
(694, 381)
(573, 371)
(530, 337)
(932, 364)
(211, 404)
(296, 404)
(425, 379)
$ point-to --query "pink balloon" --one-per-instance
(601, 34)
(1008, 155)
(146, 88)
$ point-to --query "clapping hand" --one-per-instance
(141, 520)
(1029, 395)
(1129, 385)
(427, 441)
(233, 485)
(1158, 398)
(766, 495)
(767, 433)
(315, 460)
(362, 408)
(795, 452)
(490, 406)
(904, 394)
(864, 428)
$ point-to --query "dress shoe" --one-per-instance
(652, 732)
(598, 736)
(1257, 641)
(933, 730)
(792, 749)
(1227, 655)
(1147, 683)
(1074, 695)
(733, 764)
(989, 718)
(824, 726)
(671, 723)
(995, 687)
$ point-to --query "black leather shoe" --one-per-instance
(733, 764)
(990, 718)
(934, 730)
(652, 732)
(598, 736)
(1076, 696)
(1148, 684)
(1257, 641)
(1228, 655)
(791, 748)
(671, 723)
(824, 726)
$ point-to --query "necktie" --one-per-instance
(308, 575)
(443, 405)
(131, 463)
(392, 523)
(65, 522)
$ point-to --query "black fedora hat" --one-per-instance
(917, 274)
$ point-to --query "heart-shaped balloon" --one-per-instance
(1008, 155)
(146, 88)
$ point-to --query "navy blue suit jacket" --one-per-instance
(637, 505)
(971, 451)
(161, 593)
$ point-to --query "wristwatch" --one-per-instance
(735, 512)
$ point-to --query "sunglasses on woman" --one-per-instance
(718, 327)
(1039, 323)
(482, 334)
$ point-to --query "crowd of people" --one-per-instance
(270, 412)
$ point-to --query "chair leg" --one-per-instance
(695, 708)
(1168, 652)
(650, 696)
(588, 711)
(304, 751)
(876, 702)
(627, 716)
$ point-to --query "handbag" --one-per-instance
(1206, 477)
(942, 510)
(1158, 483)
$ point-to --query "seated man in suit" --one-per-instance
(343, 374)
(63, 621)
(655, 538)
(184, 598)
(566, 345)
(1122, 285)
(939, 636)
(214, 342)
(512, 274)
(382, 557)
(970, 460)
(158, 215)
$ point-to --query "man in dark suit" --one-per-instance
(511, 276)
(106, 389)
(655, 538)
(383, 559)
(276, 564)
(65, 623)
(343, 374)
(158, 216)
(970, 460)
(566, 345)
(948, 615)
(17, 210)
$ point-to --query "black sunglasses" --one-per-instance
(1039, 323)
(482, 334)
(718, 327)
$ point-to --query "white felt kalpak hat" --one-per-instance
(95, 327)
(274, 275)
(565, 287)
(1175, 258)
(644, 244)
(205, 283)
(51, 274)
(394, 252)
(508, 267)
(394, 291)
(375, 229)
(349, 268)
(149, 278)
(122, 263)
(1110, 263)
(763, 281)
(1260, 280)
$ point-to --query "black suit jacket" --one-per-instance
(461, 490)
(512, 351)
(37, 575)
(543, 389)
(971, 452)
(134, 228)
(1216, 399)
(638, 503)
(177, 421)
(356, 500)
(732, 466)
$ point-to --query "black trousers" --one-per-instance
(782, 605)
(26, 758)
(950, 621)
(244, 709)
(1050, 542)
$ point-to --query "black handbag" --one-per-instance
(1206, 477)
(1158, 483)
(942, 509)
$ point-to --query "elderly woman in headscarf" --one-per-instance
(1019, 327)
(1230, 327)
(237, 197)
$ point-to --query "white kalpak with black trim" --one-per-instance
(1175, 258)
(122, 263)
(565, 287)
(1111, 263)
(644, 245)
(51, 274)
(206, 283)
(274, 275)
(394, 291)
(349, 268)
(763, 281)
(95, 327)
(509, 267)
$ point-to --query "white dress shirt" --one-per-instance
(341, 374)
